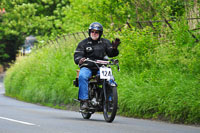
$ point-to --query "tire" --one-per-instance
(110, 106)
(86, 115)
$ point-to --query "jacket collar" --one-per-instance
(94, 41)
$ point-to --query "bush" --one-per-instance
(44, 76)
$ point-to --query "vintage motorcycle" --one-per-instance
(102, 91)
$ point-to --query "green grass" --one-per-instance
(45, 76)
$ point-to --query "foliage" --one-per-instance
(24, 18)
(161, 79)
(50, 18)
(37, 80)
(3, 55)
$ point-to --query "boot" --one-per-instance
(84, 105)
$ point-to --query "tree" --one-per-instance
(24, 18)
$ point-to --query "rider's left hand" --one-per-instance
(116, 43)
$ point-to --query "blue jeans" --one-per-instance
(84, 75)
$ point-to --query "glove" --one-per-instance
(116, 43)
(81, 61)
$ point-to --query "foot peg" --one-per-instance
(76, 100)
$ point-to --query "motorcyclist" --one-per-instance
(94, 47)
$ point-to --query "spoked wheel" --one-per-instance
(110, 106)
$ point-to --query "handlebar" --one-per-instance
(103, 62)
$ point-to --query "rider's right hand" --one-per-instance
(81, 61)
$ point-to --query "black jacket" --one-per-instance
(94, 50)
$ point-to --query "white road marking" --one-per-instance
(22, 122)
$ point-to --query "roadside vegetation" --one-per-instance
(160, 69)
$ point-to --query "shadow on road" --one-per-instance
(75, 118)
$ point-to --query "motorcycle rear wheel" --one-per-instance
(86, 115)
(110, 106)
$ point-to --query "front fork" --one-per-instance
(111, 82)
(104, 90)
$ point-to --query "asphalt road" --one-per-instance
(21, 117)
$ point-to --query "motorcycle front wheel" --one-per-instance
(110, 105)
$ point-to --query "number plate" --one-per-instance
(105, 73)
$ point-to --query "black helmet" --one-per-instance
(96, 26)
